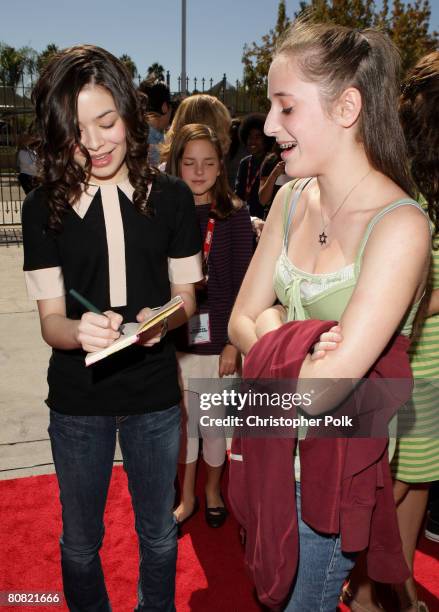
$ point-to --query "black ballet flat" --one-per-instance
(216, 517)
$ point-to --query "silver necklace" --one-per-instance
(323, 237)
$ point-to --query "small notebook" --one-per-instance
(132, 331)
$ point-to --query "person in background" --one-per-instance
(158, 115)
(126, 237)
(196, 156)
(247, 180)
(27, 163)
(272, 178)
(415, 463)
(204, 109)
(236, 151)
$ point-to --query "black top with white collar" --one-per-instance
(121, 261)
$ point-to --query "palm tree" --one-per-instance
(12, 64)
(45, 56)
(31, 62)
(156, 71)
(130, 65)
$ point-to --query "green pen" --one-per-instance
(91, 307)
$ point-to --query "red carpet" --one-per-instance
(210, 573)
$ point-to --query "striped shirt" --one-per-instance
(230, 255)
(417, 454)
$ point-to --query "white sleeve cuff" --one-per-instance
(185, 270)
(44, 284)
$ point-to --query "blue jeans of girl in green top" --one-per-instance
(321, 571)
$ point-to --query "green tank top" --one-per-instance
(324, 296)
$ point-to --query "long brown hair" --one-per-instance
(204, 109)
(226, 201)
(55, 98)
(419, 113)
(337, 57)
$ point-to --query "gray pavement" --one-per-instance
(24, 444)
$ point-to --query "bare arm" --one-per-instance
(266, 184)
(383, 294)
(257, 293)
(270, 319)
(92, 332)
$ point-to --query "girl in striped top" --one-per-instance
(416, 461)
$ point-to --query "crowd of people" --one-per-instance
(269, 228)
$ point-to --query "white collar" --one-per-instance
(89, 191)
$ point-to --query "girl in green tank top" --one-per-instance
(415, 463)
(324, 296)
(352, 244)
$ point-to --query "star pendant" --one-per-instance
(322, 238)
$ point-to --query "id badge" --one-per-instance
(199, 329)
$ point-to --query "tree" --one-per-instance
(12, 64)
(45, 56)
(30, 62)
(156, 71)
(351, 13)
(129, 64)
(257, 58)
(406, 24)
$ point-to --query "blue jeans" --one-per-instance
(83, 451)
(322, 569)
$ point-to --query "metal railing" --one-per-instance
(11, 201)
(239, 99)
(17, 113)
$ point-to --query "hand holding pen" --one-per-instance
(96, 329)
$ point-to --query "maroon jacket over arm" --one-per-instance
(346, 485)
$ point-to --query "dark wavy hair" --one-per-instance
(55, 97)
(226, 202)
(157, 93)
(419, 114)
(255, 121)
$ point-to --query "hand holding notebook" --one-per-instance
(130, 332)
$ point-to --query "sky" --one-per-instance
(150, 30)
